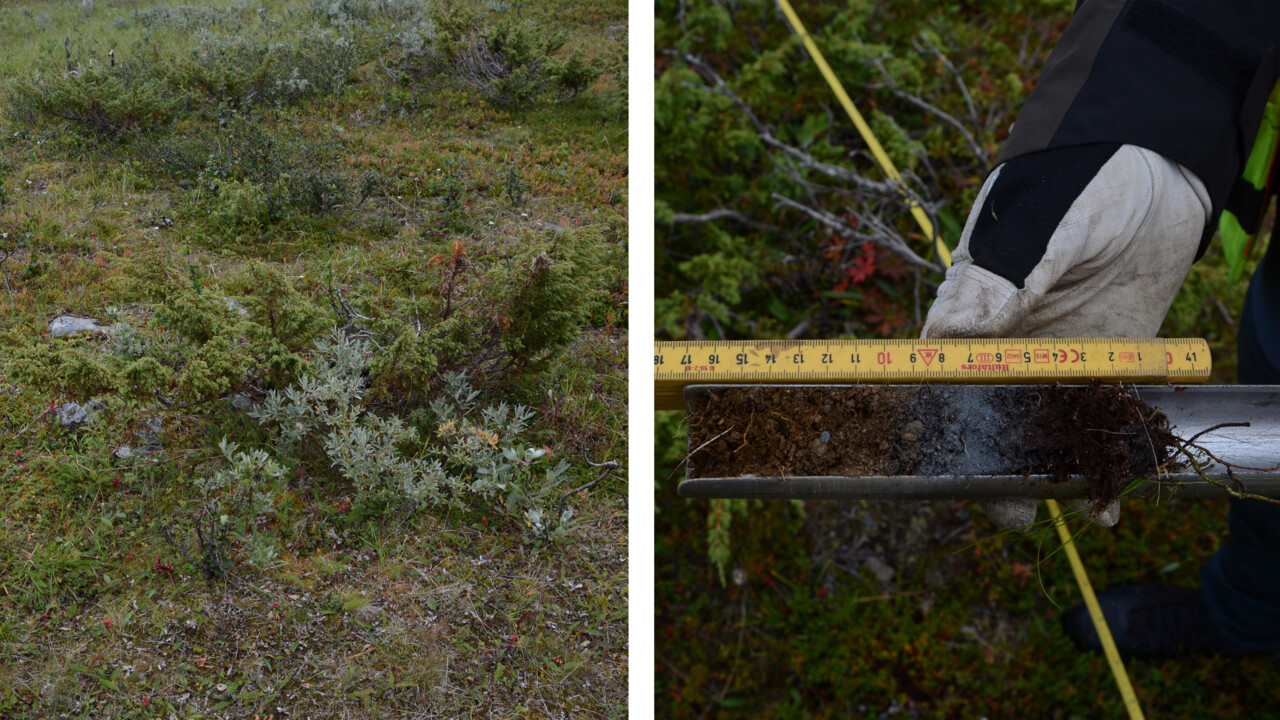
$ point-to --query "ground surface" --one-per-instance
(442, 612)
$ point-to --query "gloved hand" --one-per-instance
(1088, 241)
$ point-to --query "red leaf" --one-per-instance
(864, 266)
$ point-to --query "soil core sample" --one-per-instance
(1102, 432)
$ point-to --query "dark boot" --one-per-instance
(1151, 621)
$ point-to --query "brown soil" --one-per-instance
(1101, 432)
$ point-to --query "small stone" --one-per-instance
(64, 325)
(881, 569)
(154, 432)
(912, 431)
(826, 436)
(240, 401)
(236, 307)
(124, 452)
(73, 415)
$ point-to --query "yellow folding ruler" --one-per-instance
(1006, 360)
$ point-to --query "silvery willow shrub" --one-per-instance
(418, 42)
(190, 17)
(343, 11)
(503, 468)
(474, 457)
(327, 407)
(239, 503)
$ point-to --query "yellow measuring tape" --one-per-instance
(1095, 612)
(1005, 360)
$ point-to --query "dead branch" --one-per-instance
(934, 110)
(719, 87)
(794, 159)
(720, 214)
(883, 236)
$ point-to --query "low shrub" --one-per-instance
(553, 297)
(485, 311)
(239, 503)
(514, 185)
(206, 340)
(250, 174)
(239, 71)
(190, 17)
(102, 102)
(316, 190)
(574, 74)
(476, 458)
(239, 205)
(508, 63)
(81, 373)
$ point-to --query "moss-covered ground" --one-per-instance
(439, 612)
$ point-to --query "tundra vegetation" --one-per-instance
(344, 432)
(773, 222)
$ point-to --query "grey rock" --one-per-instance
(235, 306)
(154, 432)
(73, 415)
(64, 325)
(881, 569)
(124, 452)
(241, 402)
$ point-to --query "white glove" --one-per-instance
(1109, 268)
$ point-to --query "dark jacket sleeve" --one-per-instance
(1186, 79)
